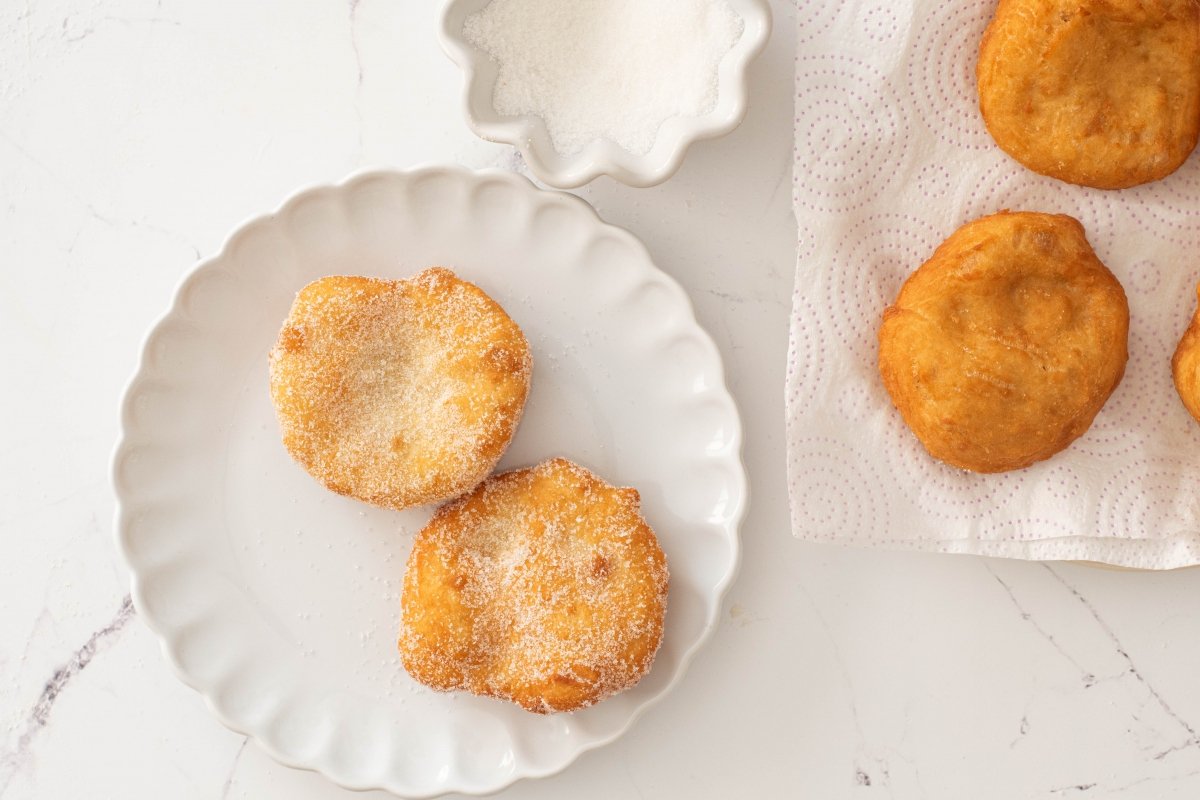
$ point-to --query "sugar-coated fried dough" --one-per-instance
(1102, 93)
(544, 587)
(1002, 348)
(1185, 365)
(398, 393)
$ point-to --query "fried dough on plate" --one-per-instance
(1002, 348)
(398, 393)
(1102, 93)
(544, 587)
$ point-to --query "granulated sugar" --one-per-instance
(611, 69)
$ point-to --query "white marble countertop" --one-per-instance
(136, 134)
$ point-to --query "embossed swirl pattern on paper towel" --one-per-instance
(891, 156)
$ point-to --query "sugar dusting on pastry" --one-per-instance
(398, 393)
(544, 587)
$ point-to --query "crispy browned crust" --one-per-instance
(1002, 348)
(398, 393)
(1185, 365)
(1102, 93)
(544, 587)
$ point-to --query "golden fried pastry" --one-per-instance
(1102, 93)
(544, 587)
(398, 393)
(1185, 366)
(1002, 347)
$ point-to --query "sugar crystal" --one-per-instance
(605, 69)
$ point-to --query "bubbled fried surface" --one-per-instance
(544, 587)
(1002, 348)
(398, 393)
(1102, 93)
(1185, 365)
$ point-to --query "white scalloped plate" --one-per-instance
(279, 601)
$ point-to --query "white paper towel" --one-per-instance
(891, 157)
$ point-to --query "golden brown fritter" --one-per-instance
(1102, 93)
(1002, 348)
(544, 587)
(398, 393)
(1185, 366)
